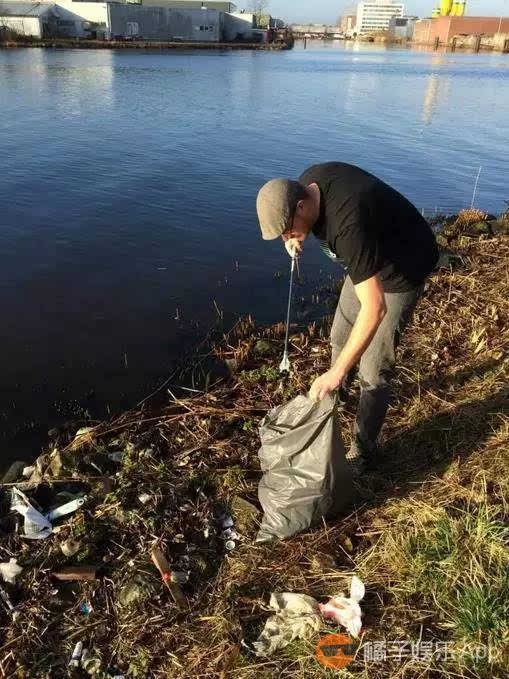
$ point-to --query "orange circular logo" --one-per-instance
(336, 651)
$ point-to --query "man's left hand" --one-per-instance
(324, 385)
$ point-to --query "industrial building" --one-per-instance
(348, 25)
(82, 19)
(65, 19)
(238, 26)
(375, 15)
(28, 18)
(450, 27)
(443, 29)
(152, 20)
(402, 28)
(164, 23)
(192, 4)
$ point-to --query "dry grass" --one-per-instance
(428, 537)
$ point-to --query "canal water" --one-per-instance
(128, 192)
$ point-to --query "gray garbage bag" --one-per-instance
(305, 473)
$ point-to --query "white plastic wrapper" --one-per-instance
(37, 526)
(296, 617)
(10, 570)
(346, 610)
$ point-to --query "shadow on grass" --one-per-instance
(432, 443)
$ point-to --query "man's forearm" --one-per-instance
(363, 331)
(372, 311)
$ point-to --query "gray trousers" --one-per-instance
(377, 363)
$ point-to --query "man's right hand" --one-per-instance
(293, 247)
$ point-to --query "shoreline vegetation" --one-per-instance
(11, 40)
(428, 534)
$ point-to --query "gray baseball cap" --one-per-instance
(276, 204)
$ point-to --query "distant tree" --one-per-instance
(259, 8)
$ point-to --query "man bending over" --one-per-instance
(388, 250)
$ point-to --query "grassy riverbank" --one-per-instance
(428, 535)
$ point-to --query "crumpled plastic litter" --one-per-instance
(37, 526)
(346, 611)
(296, 617)
(10, 570)
(225, 520)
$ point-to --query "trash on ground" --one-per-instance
(299, 616)
(164, 569)
(66, 508)
(86, 608)
(76, 573)
(296, 616)
(230, 534)
(346, 611)
(7, 601)
(69, 547)
(91, 664)
(144, 498)
(10, 570)
(76, 655)
(225, 520)
(306, 476)
(37, 526)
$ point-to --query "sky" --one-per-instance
(327, 11)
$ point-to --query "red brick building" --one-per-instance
(445, 28)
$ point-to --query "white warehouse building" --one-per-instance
(27, 18)
(153, 20)
(375, 15)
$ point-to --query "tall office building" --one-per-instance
(375, 15)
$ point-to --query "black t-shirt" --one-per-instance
(371, 228)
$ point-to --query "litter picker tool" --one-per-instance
(284, 366)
